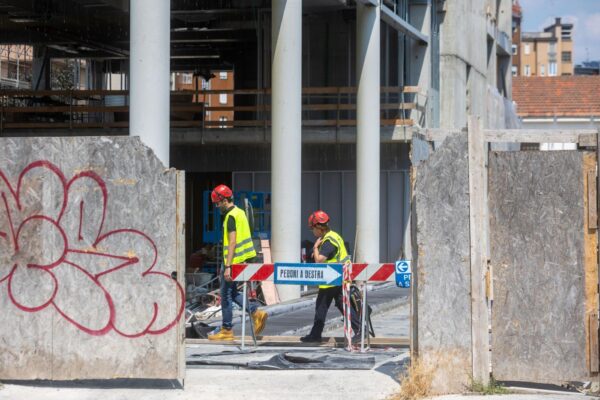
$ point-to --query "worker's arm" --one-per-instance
(317, 256)
(230, 253)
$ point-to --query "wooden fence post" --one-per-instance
(478, 234)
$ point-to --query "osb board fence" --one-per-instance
(88, 241)
(543, 255)
(442, 252)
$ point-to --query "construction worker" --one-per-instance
(237, 248)
(328, 248)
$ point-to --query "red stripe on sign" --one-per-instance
(357, 269)
(263, 273)
(237, 269)
(383, 273)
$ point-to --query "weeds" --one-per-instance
(493, 387)
(415, 382)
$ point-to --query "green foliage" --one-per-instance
(492, 388)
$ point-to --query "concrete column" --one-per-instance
(40, 69)
(286, 141)
(368, 132)
(150, 67)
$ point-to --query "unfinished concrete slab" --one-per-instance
(538, 254)
(88, 240)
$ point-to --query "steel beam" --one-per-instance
(402, 25)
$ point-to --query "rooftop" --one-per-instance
(561, 96)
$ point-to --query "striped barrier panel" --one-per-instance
(360, 272)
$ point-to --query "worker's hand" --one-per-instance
(317, 243)
(227, 274)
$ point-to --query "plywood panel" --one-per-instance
(441, 195)
(537, 216)
(98, 218)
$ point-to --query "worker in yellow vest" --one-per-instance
(329, 248)
(237, 249)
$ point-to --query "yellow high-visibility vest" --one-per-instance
(244, 248)
(341, 256)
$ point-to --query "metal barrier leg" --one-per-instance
(252, 328)
(363, 318)
(244, 304)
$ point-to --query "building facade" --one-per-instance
(547, 53)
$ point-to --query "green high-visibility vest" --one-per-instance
(244, 248)
(341, 256)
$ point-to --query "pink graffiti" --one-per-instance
(57, 256)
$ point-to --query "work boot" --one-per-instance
(259, 318)
(222, 334)
(310, 339)
(356, 339)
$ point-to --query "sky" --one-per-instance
(584, 14)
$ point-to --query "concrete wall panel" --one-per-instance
(87, 245)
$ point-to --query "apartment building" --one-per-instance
(547, 53)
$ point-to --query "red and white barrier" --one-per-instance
(360, 272)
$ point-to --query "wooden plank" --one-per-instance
(536, 135)
(479, 310)
(180, 265)
(590, 260)
(594, 361)
(295, 341)
(268, 287)
(592, 205)
(66, 109)
(579, 136)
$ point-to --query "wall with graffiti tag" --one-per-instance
(88, 241)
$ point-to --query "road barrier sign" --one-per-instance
(308, 274)
(360, 272)
(403, 273)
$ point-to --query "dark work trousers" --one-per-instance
(324, 298)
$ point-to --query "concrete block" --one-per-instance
(87, 247)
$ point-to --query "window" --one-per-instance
(205, 84)
(514, 49)
(223, 98)
(527, 71)
(186, 79)
(223, 121)
(223, 75)
(552, 69)
(527, 48)
(566, 56)
(515, 71)
(542, 70)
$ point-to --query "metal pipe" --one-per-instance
(244, 305)
(368, 132)
(150, 73)
(286, 141)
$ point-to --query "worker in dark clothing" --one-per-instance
(329, 248)
(237, 248)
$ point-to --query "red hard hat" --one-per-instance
(220, 192)
(318, 217)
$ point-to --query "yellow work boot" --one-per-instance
(223, 334)
(259, 318)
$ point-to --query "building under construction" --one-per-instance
(311, 102)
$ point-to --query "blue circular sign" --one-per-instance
(402, 267)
